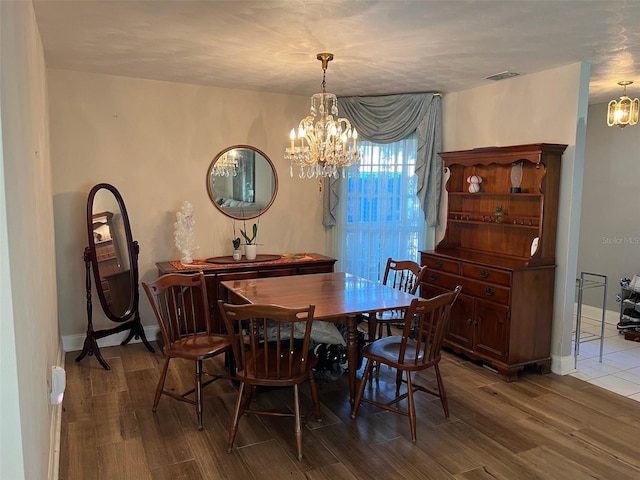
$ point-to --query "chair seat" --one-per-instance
(300, 370)
(198, 346)
(387, 350)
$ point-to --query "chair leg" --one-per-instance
(412, 408)
(298, 421)
(313, 386)
(441, 391)
(160, 387)
(399, 381)
(363, 382)
(236, 418)
(199, 392)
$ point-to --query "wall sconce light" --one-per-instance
(623, 112)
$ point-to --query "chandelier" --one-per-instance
(325, 143)
(624, 111)
(226, 165)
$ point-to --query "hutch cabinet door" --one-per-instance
(492, 329)
(461, 326)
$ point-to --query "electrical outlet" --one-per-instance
(58, 384)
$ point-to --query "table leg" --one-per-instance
(352, 355)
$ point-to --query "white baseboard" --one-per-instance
(563, 365)
(73, 343)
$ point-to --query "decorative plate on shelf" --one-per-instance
(534, 246)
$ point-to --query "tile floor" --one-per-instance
(620, 368)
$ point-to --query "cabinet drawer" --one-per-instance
(475, 288)
(487, 291)
(444, 280)
(437, 263)
(490, 275)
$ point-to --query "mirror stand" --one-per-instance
(134, 326)
(112, 255)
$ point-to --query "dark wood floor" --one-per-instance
(540, 427)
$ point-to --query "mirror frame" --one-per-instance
(132, 250)
(210, 189)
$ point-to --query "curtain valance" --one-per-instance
(390, 118)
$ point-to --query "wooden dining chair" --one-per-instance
(181, 306)
(411, 353)
(271, 347)
(404, 275)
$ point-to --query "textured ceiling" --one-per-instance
(380, 47)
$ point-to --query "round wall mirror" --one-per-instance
(115, 268)
(242, 182)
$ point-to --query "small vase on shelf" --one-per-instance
(250, 251)
(237, 253)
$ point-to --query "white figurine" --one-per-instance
(474, 182)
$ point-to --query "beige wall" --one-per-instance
(154, 142)
(29, 339)
(550, 107)
(610, 221)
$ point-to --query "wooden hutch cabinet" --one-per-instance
(500, 246)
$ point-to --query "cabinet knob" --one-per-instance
(484, 274)
(439, 263)
(433, 277)
(469, 321)
(490, 292)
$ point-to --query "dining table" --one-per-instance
(338, 297)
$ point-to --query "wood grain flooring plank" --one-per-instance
(123, 460)
(458, 448)
(357, 455)
(135, 356)
(480, 473)
(551, 465)
(78, 453)
(107, 381)
(409, 461)
(115, 420)
(602, 463)
(188, 470)
(335, 471)
(621, 441)
(269, 460)
(210, 451)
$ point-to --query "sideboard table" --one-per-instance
(219, 269)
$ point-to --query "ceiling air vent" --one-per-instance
(502, 75)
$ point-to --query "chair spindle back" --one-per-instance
(181, 305)
(270, 343)
(430, 320)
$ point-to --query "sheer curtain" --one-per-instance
(379, 214)
(367, 228)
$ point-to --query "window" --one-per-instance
(379, 214)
